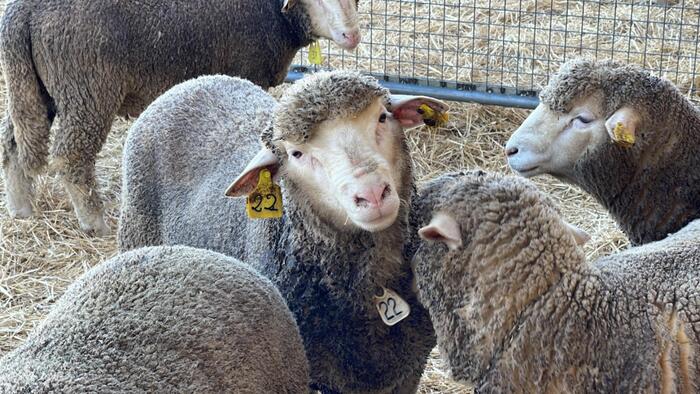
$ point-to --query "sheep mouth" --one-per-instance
(377, 221)
(378, 224)
(527, 172)
(526, 168)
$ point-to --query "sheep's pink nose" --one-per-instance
(372, 196)
(352, 38)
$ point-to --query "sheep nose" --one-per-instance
(372, 197)
(352, 38)
(511, 151)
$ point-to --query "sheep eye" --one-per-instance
(297, 154)
(382, 118)
(583, 120)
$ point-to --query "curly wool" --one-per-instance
(320, 97)
(518, 309)
(163, 319)
(618, 84)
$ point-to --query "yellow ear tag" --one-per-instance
(431, 117)
(315, 56)
(622, 136)
(265, 202)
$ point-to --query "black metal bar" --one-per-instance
(450, 94)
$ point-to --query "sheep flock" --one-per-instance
(41, 256)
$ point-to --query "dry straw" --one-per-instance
(39, 257)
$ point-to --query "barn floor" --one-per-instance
(40, 257)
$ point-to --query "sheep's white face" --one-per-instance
(351, 168)
(335, 20)
(550, 142)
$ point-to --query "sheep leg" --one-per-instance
(25, 149)
(75, 150)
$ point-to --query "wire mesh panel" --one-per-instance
(509, 48)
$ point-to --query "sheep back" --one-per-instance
(179, 158)
(164, 319)
(138, 51)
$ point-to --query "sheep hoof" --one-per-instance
(20, 212)
(95, 226)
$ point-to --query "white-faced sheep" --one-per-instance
(627, 137)
(163, 319)
(85, 62)
(336, 142)
(517, 309)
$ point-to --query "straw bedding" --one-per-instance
(40, 257)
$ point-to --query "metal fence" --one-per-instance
(502, 51)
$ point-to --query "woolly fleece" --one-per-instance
(323, 96)
(163, 319)
(518, 309)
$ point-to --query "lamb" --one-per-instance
(86, 62)
(163, 319)
(336, 143)
(623, 135)
(516, 307)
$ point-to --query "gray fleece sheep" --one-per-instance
(629, 138)
(346, 179)
(163, 319)
(87, 61)
(516, 307)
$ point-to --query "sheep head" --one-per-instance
(585, 106)
(336, 20)
(338, 143)
(493, 244)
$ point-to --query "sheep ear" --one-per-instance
(581, 236)
(622, 126)
(443, 228)
(287, 5)
(405, 109)
(248, 179)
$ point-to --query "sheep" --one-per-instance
(335, 141)
(623, 135)
(163, 319)
(87, 62)
(517, 309)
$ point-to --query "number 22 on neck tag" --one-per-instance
(392, 308)
(265, 202)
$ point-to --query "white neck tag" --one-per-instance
(392, 308)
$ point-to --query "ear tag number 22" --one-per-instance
(392, 308)
(265, 202)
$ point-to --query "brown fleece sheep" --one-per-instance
(517, 309)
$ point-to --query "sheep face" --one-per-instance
(351, 169)
(336, 20)
(338, 143)
(552, 142)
